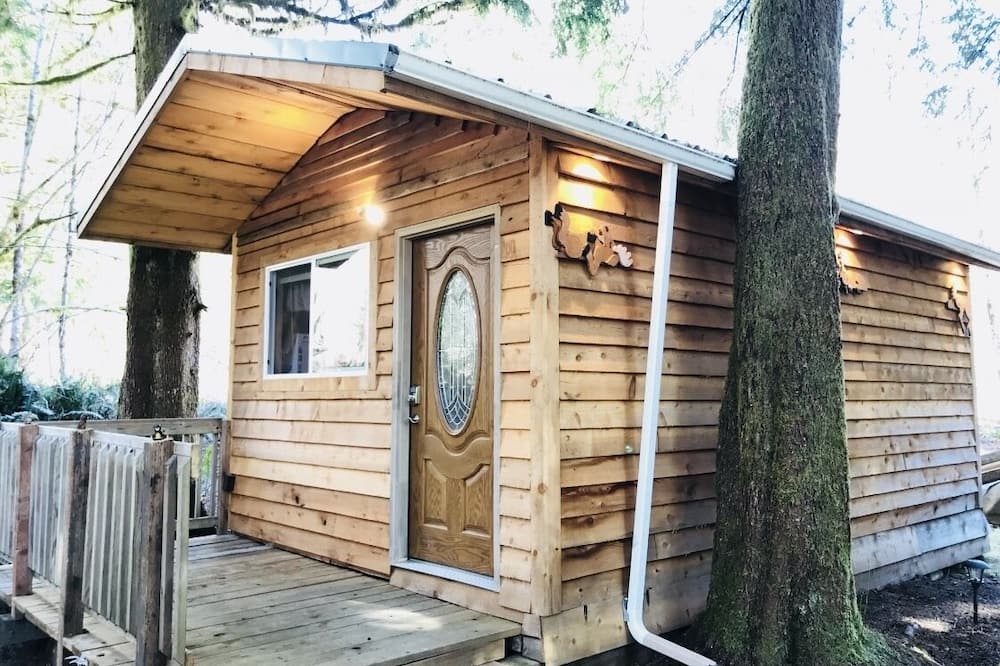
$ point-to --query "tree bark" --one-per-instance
(16, 311)
(782, 588)
(70, 234)
(164, 304)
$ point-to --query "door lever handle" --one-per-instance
(414, 419)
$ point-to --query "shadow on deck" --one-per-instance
(250, 603)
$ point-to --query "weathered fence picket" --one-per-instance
(9, 440)
(109, 555)
(48, 481)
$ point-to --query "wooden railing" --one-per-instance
(104, 517)
(206, 508)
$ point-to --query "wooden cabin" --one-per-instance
(442, 294)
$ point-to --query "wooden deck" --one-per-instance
(250, 603)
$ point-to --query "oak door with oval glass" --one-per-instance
(451, 406)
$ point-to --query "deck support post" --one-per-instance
(72, 536)
(150, 552)
(27, 435)
(221, 470)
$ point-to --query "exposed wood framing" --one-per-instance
(546, 577)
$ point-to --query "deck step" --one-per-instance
(474, 656)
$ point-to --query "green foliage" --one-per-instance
(72, 399)
(11, 387)
(582, 23)
(15, 32)
(67, 400)
(211, 409)
(271, 17)
(976, 36)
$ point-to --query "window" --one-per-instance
(318, 314)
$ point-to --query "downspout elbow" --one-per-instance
(643, 636)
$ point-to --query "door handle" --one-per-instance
(414, 419)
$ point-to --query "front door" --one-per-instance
(451, 410)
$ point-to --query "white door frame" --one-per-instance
(399, 466)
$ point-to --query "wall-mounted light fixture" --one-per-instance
(957, 304)
(851, 282)
(593, 246)
(373, 214)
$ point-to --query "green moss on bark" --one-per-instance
(782, 589)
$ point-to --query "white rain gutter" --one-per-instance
(634, 602)
(973, 253)
(542, 111)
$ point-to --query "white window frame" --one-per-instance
(268, 316)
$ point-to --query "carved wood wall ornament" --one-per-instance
(957, 304)
(851, 282)
(594, 247)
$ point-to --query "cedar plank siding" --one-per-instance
(913, 456)
(311, 456)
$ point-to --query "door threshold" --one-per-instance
(491, 583)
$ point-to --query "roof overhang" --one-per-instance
(288, 92)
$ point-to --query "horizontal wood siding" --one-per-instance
(909, 391)
(312, 456)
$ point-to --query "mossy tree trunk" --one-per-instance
(782, 589)
(164, 303)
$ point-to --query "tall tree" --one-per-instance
(782, 589)
(164, 304)
(62, 319)
(18, 212)
(162, 335)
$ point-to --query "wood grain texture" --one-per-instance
(73, 533)
(27, 435)
(311, 455)
(543, 411)
(909, 399)
(451, 442)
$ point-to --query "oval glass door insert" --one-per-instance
(457, 351)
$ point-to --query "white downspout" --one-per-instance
(634, 602)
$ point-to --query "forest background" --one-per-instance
(916, 139)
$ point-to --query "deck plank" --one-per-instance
(250, 603)
(101, 642)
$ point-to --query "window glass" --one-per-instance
(340, 312)
(290, 320)
(318, 319)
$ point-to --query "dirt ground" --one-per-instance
(930, 621)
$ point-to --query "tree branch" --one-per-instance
(72, 76)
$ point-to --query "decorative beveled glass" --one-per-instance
(457, 350)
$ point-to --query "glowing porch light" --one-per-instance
(587, 171)
(373, 214)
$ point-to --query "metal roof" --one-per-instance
(528, 107)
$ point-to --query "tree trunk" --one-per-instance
(782, 589)
(164, 305)
(70, 233)
(16, 310)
